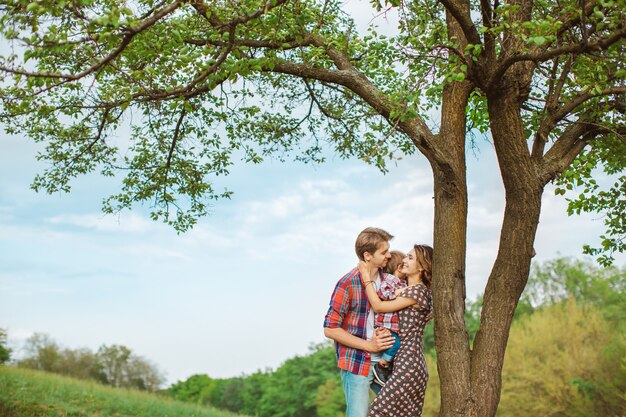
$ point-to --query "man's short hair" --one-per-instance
(369, 240)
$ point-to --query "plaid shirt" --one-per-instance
(387, 291)
(349, 309)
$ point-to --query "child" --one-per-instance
(387, 291)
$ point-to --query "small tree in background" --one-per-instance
(5, 351)
(41, 353)
(119, 367)
(190, 390)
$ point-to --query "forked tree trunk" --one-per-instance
(449, 243)
(471, 380)
(508, 277)
(450, 228)
(451, 339)
(479, 397)
(504, 288)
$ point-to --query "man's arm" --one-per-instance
(379, 342)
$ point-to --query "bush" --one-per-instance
(561, 361)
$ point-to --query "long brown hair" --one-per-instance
(424, 255)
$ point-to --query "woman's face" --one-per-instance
(410, 264)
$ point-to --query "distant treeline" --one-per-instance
(566, 356)
(113, 365)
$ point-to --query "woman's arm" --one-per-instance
(379, 305)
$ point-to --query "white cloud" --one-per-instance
(126, 222)
(12, 285)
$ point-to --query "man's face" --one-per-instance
(379, 258)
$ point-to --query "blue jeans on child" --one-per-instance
(390, 353)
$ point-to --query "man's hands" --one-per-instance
(382, 340)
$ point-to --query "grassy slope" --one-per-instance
(25, 393)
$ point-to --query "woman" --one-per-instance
(403, 394)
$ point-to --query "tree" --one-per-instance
(565, 349)
(565, 278)
(330, 400)
(119, 367)
(545, 80)
(41, 353)
(557, 366)
(190, 389)
(5, 352)
(292, 390)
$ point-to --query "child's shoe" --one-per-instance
(382, 373)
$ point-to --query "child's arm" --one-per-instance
(379, 305)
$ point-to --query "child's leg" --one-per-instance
(387, 355)
(383, 369)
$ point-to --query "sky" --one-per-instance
(248, 287)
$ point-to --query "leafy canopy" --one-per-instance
(170, 95)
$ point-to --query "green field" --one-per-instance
(26, 393)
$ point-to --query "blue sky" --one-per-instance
(249, 286)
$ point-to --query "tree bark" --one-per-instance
(523, 191)
(450, 235)
(449, 242)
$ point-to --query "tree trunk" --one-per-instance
(523, 191)
(449, 242)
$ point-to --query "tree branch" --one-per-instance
(553, 98)
(175, 138)
(554, 117)
(254, 43)
(546, 55)
(130, 32)
(489, 39)
(576, 101)
(551, 107)
(567, 147)
(214, 20)
(464, 20)
(324, 111)
(574, 18)
(416, 128)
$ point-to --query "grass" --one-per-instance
(27, 393)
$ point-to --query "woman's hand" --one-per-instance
(365, 271)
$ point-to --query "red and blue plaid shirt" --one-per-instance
(349, 309)
(387, 291)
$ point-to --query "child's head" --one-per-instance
(394, 264)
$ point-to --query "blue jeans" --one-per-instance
(357, 390)
(391, 352)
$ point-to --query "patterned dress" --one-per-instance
(403, 394)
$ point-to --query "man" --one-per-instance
(350, 323)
